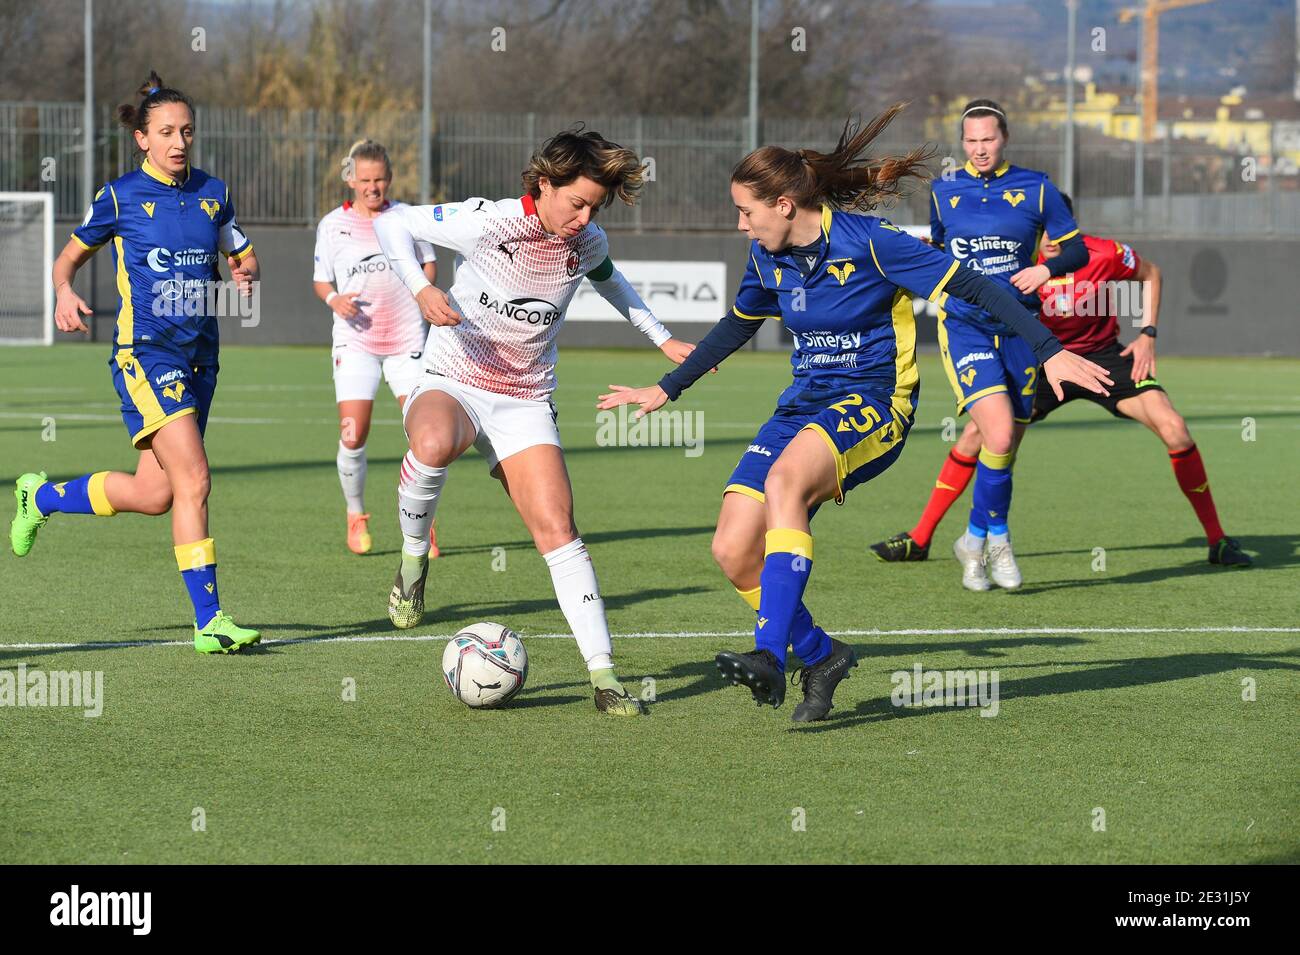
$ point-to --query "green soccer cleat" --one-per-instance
(1226, 551)
(617, 702)
(29, 519)
(406, 603)
(223, 635)
(900, 547)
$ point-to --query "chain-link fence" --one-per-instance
(283, 166)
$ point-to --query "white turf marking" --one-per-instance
(570, 427)
(681, 635)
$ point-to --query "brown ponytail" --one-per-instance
(153, 93)
(845, 178)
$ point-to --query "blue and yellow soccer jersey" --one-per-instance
(851, 317)
(167, 238)
(993, 224)
(855, 378)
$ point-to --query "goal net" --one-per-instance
(26, 257)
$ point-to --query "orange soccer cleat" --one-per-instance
(358, 534)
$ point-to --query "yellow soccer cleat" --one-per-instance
(406, 600)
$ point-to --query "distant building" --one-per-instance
(1262, 128)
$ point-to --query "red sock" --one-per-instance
(953, 478)
(1189, 469)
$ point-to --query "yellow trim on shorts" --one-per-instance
(840, 473)
(143, 438)
(946, 359)
(745, 490)
(964, 403)
(862, 453)
(138, 387)
(146, 402)
(98, 499)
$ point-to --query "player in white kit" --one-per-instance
(378, 328)
(490, 365)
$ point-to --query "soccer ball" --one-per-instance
(485, 665)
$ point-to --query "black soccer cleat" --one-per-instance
(900, 547)
(759, 670)
(819, 682)
(1228, 552)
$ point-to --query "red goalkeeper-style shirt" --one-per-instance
(1081, 307)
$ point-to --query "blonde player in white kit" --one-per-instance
(490, 365)
(378, 329)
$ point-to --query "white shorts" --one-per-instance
(357, 371)
(502, 425)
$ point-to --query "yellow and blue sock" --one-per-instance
(786, 567)
(810, 643)
(197, 563)
(81, 495)
(992, 495)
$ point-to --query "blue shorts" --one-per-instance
(864, 431)
(157, 385)
(980, 363)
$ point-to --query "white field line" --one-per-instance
(565, 426)
(678, 635)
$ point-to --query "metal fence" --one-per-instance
(284, 165)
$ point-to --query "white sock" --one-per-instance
(418, 488)
(576, 589)
(995, 539)
(352, 476)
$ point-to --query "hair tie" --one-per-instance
(152, 90)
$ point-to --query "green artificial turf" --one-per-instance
(1151, 728)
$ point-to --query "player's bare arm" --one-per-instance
(68, 305)
(1143, 347)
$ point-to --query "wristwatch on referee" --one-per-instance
(1148, 330)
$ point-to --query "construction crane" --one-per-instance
(1148, 92)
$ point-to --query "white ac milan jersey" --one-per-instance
(348, 254)
(513, 284)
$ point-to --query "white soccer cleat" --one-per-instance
(1002, 566)
(972, 565)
